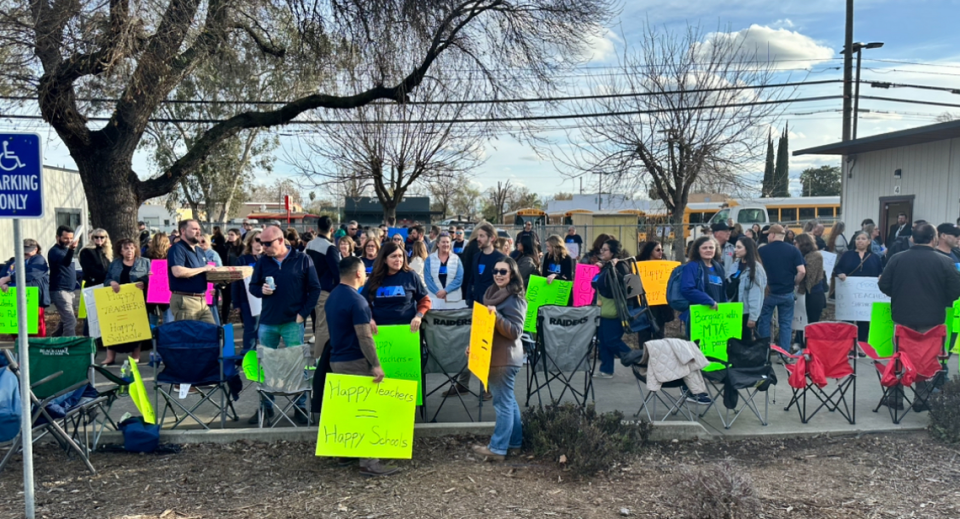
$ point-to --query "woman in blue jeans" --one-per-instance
(505, 298)
(252, 251)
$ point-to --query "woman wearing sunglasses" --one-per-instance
(397, 295)
(252, 251)
(95, 258)
(505, 298)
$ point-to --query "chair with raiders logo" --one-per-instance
(566, 341)
(445, 335)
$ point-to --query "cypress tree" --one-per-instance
(782, 172)
(767, 187)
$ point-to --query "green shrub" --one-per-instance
(715, 491)
(945, 412)
(587, 441)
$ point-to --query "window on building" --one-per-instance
(70, 218)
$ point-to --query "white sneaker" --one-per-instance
(312, 340)
(601, 374)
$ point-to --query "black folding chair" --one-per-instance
(565, 345)
(445, 335)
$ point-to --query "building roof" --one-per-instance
(920, 135)
(366, 204)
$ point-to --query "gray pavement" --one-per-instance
(619, 393)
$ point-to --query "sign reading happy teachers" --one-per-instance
(122, 315)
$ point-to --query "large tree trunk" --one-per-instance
(389, 212)
(115, 207)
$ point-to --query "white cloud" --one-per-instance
(600, 46)
(789, 49)
(780, 24)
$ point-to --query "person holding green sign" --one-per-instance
(396, 294)
(37, 273)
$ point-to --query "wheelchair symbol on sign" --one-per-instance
(7, 156)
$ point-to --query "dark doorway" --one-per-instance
(890, 207)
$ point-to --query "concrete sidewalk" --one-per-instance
(620, 393)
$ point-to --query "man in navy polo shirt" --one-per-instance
(785, 269)
(187, 272)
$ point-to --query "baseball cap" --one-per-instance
(719, 226)
(30, 245)
(775, 229)
(948, 228)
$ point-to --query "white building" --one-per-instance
(64, 203)
(915, 171)
(157, 218)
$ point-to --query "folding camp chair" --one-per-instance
(195, 363)
(676, 404)
(919, 363)
(445, 335)
(65, 402)
(283, 376)
(830, 352)
(566, 340)
(740, 379)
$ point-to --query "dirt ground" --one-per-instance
(868, 477)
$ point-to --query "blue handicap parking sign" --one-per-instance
(21, 176)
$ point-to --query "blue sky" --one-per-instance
(920, 48)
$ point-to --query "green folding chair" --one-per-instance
(60, 366)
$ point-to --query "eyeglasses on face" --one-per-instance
(266, 243)
(98, 237)
(500, 272)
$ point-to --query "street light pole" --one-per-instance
(856, 96)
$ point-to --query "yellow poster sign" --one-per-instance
(122, 315)
(361, 419)
(654, 276)
(481, 342)
(138, 393)
(82, 313)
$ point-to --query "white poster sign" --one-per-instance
(93, 322)
(855, 298)
(573, 249)
(829, 260)
(256, 304)
(800, 313)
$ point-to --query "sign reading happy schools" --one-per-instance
(21, 176)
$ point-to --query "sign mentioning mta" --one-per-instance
(21, 176)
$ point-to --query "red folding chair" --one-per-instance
(829, 353)
(919, 362)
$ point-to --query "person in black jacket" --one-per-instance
(898, 230)
(63, 281)
(921, 283)
(557, 262)
(326, 259)
(96, 257)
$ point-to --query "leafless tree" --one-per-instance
(130, 55)
(498, 198)
(691, 116)
(395, 147)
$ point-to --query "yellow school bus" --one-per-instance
(522, 216)
(565, 218)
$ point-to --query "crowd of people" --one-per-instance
(349, 281)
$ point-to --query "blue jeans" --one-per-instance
(292, 335)
(508, 432)
(610, 339)
(784, 305)
(250, 333)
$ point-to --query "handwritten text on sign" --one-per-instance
(539, 293)
(122, 315)
(855, 297)
(158, 291)
(654, 276)
(481, 342)
(714, 327)
(361, 419)
(582, 288)
(93, 323)
(399, 352)
(8, 310)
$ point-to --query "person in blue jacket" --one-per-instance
(37, 274)
(702, 281)
(252, 251)
(610, 333)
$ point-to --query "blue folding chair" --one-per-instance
(193, 353)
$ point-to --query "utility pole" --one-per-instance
(848, 74)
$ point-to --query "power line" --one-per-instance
(488, 120)
(482, 101)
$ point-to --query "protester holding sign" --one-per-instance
(505, 299)
(157, 250)
(557, 261)
(652, 250)
(396, 294)
(702, 281)
(748, 283)
(860, 262)
(443, 274)
(352, 348)
(127, 268)
(252, 250)
(610, 334)
(37, 275)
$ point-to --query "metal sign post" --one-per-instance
(21, 196)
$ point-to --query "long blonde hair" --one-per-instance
(107, 247)
(159, 245)
(558, 250)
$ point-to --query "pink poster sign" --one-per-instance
(582, 290)
(158, 291)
